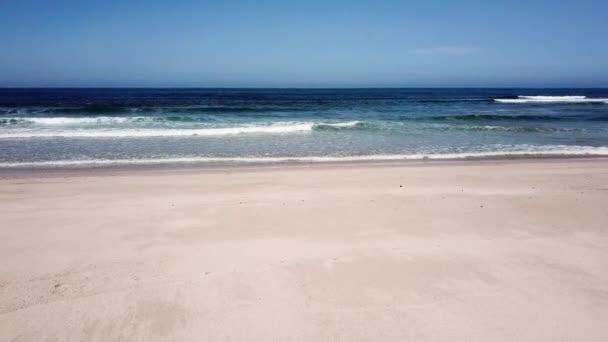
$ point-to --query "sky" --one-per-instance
(303, 43)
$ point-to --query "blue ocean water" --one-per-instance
(70, 127)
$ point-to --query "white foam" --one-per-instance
(276, 128)
(123, 119)
(269, 128)
(557, 150)
(553, 99)
(543, 97)
(341, 124)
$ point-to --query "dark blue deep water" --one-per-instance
(46, 127)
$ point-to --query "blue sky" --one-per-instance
(304, 43)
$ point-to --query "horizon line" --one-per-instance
(299, 88)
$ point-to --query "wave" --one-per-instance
(68, 120)
(131, 133)
(266, 128)
(503, 128)
(123, 119)
(339, 125)
(272, 128)
(553, 99)
(96, 120)
(494, 117)
(523, 151)
(109, 120)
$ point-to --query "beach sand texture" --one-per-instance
(450, 251)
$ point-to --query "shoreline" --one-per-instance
(87, 169)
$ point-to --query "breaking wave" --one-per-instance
(127, 119)
(553, 99)
(494, 117)
(272, 128)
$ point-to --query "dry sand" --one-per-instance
(460, 251)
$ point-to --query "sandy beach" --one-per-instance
(426, 251)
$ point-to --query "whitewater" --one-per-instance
(553, 99)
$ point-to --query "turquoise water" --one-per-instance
(70, 127)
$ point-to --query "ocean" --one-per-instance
(89, 127)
